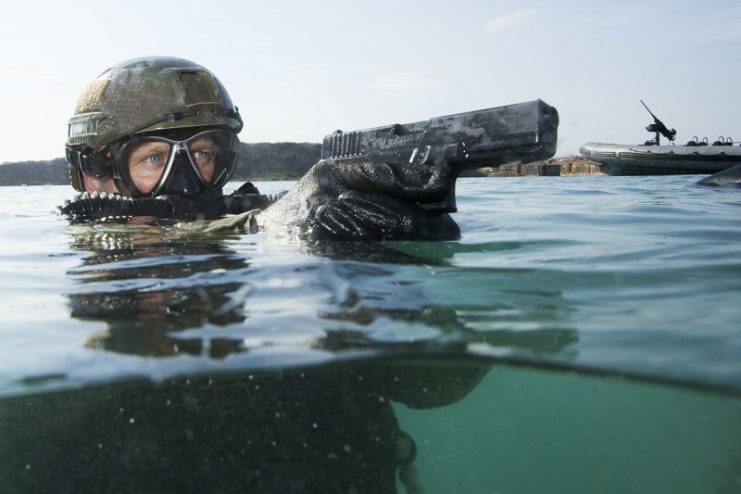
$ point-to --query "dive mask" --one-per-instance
(151, 165)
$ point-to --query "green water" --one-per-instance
(582, 336)
(529, 431)
(517, 430)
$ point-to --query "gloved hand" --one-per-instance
(365, 201)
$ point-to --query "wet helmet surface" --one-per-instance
(145, 95)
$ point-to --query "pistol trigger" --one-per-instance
(455, 153)
(462, 151)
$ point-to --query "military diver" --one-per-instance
(157, 137)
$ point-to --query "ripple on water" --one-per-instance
(631, 274)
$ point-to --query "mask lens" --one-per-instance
(212, 156)
(144, 162)
(153, 165)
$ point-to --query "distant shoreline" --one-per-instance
(564, 166)
(289, 161)
(257, 161)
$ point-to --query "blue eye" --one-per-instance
(154, 158)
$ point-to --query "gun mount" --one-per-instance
(659, 128)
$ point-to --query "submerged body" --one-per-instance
(325, 430)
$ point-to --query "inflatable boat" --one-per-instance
(625, 159)
(651, 158)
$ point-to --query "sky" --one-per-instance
(299, 70)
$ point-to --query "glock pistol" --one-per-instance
(522, 132)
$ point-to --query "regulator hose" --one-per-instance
(114, 207)
(105, 207)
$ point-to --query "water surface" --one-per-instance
(583, 335)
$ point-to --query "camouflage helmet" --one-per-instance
(149, 94)
(139, 96)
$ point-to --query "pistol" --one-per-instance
(522, 132)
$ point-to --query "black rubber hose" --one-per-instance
(112, 207)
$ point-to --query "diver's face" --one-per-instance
(147, 161)
(95, 184)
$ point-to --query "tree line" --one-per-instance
(257, 161)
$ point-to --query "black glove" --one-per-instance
(366, 201)
(358, 216)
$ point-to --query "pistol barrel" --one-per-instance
(489, 137)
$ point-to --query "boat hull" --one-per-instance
(617, 159)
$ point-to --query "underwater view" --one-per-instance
(582, 336)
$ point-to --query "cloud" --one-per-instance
(401, 81)
(507, 21)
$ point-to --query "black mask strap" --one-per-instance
(90, 162)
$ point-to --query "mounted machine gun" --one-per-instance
(659, 128)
